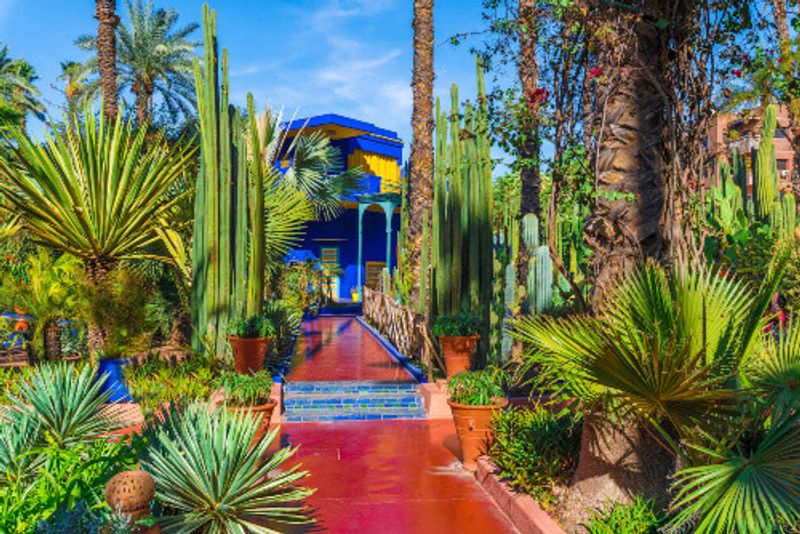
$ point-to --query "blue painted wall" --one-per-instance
(345, 230)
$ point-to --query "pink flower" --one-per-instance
(595, 72)
(737, 72)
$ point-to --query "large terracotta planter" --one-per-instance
(458, 351)
(248, 353)
(474, 428)
(263, 410)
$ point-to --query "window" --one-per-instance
(782, 164)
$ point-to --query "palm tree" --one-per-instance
(106, 45)
(657, 367)
(153, 57)
(18, 95)
(98, 190)
(421, 159)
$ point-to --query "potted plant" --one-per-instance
(250, 393)
(249, 339)
(475, 398)
(458, 337)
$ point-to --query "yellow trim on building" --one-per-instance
(379, 165)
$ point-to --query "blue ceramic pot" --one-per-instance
(115, 379)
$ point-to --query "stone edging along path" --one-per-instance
(522, 509)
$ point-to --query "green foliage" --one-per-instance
(155, 382)
(638, 517)
(287, 319)
(52, 451)
(18, 95)
(536, 450)
(461, 324)
(71, 189)
(211, 477)
(478, 388)
(246, 390)
(252, 327)
(119, 305)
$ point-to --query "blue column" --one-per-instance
(361, 209)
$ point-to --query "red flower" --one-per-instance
(737, 72)
(595, 72)
(537, 96)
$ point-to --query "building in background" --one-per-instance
(743, 132)
(355, 247)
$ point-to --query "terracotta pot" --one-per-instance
(130, 493)
(263, 410)
(474, 428)
(458, 351)
(248, 353)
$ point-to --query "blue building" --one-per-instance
(362, 241)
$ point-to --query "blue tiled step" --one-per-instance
(351, 401)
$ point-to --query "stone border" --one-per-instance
(522, 509)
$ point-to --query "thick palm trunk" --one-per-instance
(788, 64)
(52, 341)
(616, 463)
(529, 143)
(421, 160)
(105, 13)
(144, 96)
(624, 226)
(98, 272)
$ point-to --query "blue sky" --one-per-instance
(351, 57)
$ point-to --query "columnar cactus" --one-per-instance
(765, 168)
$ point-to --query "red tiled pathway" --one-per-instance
(398, 477)
(339, 348)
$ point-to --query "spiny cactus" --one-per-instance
(765, 168)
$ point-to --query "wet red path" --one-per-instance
(391, 477)
(339, 348)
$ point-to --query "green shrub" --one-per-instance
(536, 450)
(246, 390)
(252, 327)
(460, 324)
(478, 388)
(211, 477)
(155, 381)
(639, 517)
(286, 318)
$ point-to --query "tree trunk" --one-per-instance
(789, 65)
(144, 94)
(421, 159)
(529, 144)
(52, 341)
(615, 464)
(107, 53)
(98, 271)
(624, 225)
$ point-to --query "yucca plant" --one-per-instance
(98, 189)
(66, 401)
(211, 477)
(660, 363)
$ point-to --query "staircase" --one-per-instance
(351, 401)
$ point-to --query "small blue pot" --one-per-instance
(115, 379)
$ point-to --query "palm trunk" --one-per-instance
(143, 92)
(624, 226)
(529, 143)
(788, 64)
(616, 463)
(421, 159)
(98, 272)
(52, 341)
(107, 53)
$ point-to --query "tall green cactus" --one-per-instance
(765, 168)
(463, 209)
(228, 250)
(539, 284)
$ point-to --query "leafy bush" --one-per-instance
(52, 451)
(460, 324)
(155, 381)
(246, 390)
(211, 477)
(286, 318)
(639, 517)
(252, 327)
(478, 388)
(536, 450)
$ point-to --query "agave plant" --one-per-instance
(211, 477)
(66, 402)
(98, 190)
(661, 363)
